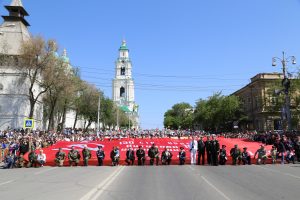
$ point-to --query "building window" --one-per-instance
(1, 87)
(122, 92)
(122, 71)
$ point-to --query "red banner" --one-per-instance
(172, 144)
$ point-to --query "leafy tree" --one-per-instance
(180, 116)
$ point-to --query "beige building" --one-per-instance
(260, 104)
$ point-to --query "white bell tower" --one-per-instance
(123, 85)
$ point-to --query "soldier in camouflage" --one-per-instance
(73, 157)
(86, 154)
(32, 158)
(60, 158)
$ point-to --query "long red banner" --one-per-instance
(172, 144)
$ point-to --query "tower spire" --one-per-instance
(16, 12)
(16, 3)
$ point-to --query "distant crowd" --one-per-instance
(16, 143)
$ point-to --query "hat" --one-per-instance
(140, 146)
(223, 145)
(181, 147)
(245, 148)
(99, 146)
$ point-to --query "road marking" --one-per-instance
(191, 168)
(44, 171)
(279, 172)
(7, 182)
(98, 190)
(215, 188)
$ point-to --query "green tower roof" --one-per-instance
(123, 46)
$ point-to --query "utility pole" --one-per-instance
(286, 85)
(98, 120)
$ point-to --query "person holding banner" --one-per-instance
(60, 158)
(86, 154)
(182, 156)
(153, 153)
(130, 156)
(141, 155)
(166, 157)
(100, 155)
(193, 149)
(115, 156)
(74, 157)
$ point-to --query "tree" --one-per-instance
(38, 62)
(218, 112)
(180, 116)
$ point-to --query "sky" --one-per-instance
(181, 51)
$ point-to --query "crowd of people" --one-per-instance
(15, 144)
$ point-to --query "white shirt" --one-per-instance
(194, 145)
(41, 157)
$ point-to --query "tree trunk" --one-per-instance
(75, 121)
(64, 115)
(88, 125)
(51, 115)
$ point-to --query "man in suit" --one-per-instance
(208, 150)
(130, 156)
(201, 150)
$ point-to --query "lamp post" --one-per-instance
(98, 119)
(286, 85)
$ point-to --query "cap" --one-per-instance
(181, 147)
(223, 145)
(245, 148)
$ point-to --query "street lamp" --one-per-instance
(286, 84)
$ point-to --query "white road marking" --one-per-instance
(44, 171)
(7, 182)
(98, 190)
(215, 188)
(191, 168)
(279, 172)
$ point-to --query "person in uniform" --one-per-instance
(32, 158)
(86, 155)
(60, 158)
(141, 155)
(166, 157)
(193, 149)
(214, 150)
(208, 150)
(115, 156)
(223, 155)
(262, 155)
(100, 155)
(182, 156)
(130, 156)
(236, 155)
(274, 154)
(153, 153)
(246, 158)
(20, 163)
(74, 157)
(201, 151)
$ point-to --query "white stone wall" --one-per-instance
(14, 100)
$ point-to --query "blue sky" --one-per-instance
(181, 50)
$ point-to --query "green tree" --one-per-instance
(180, 116)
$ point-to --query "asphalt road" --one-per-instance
(155, 183)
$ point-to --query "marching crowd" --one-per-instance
(15, 144)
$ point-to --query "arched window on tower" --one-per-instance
(122, 71)
(122, 92)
